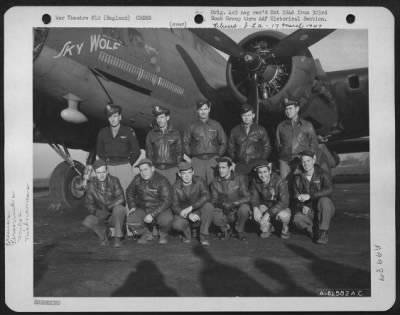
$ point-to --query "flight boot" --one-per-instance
(117, 242)
(241, 236)
(204, 240)
(226, 232)
(323, 237)
(163, 238)
(285, 234)
(187, 237)
(146, 238)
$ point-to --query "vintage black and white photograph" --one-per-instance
(201, 162)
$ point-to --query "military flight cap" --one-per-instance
(112, 108)
(98, 163)
(246, 108)
(201, 102)
(309, 153)
(159, 110)
(224, 159)
(144, 161)
(184, 166)
(261, 164)
(290, 101)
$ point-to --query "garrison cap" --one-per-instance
(290, 101)
(246, 108)
(159, 110)
(111, 109)
(98, 163)
(183, 166)
(144, 161)
(309, 153)
(224, 159)
(262, 164)
(201, 102)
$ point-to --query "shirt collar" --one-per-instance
(99, 183)
(250, 126)
(119, 128)
(231, 177)
(168, 129)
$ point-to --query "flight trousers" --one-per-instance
(325, 209)
(268, 219)
(124, 172)
(206, 216)
(237, 217)
(205, 168)
(103, 219)
(163, 221)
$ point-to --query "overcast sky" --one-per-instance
(340, 50)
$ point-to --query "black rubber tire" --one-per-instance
(60, 186)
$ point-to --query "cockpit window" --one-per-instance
(135, 38)
(353, 81)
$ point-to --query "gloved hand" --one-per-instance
(184, 212)
(306, 210)
(148, 218)
(265, 222)
(194, 217)
(303, 197)
(263, 208)
(257, 215)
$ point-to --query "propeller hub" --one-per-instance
(252, 60)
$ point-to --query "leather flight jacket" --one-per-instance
(122, 149)
(291, 139)
(153, 195)
(247, 148)
(195, 194)
(319, 186)
(104, 195)
(204, 139)
(228, 194)
(274, 194)
(164, 149)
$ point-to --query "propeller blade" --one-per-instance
(253, 95)
(207, 90)
(298, 41)
(218, 40)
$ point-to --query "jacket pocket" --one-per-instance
(213, 136)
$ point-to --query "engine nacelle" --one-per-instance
(277, 77)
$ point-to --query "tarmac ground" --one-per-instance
(69, 262)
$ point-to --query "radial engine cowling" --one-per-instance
(277, 77)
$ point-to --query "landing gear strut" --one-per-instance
(67, 181)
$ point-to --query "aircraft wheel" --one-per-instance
(65, 188)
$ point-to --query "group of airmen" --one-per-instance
(205, 178)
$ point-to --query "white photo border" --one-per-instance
(19, 22)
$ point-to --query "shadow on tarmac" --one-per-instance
(218, 279)
(277, 272)
(334, 275)
(146, 280)
(40, 263)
